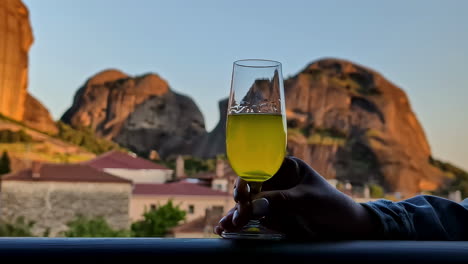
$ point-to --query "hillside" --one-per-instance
(39, 146)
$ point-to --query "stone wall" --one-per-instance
(53, 204)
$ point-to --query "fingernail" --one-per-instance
(222, 219)
(260, 207)
(235, 217)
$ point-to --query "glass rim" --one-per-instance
(257, 63)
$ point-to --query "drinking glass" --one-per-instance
(256, 131)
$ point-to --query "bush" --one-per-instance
(376, 191)
(92, 227)
(4, 163)
(157, 222)
(19, 228)
(8, 136)
(84, 137)
(457, 179)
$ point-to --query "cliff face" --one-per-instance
(352, 124)
(37, 116)
(140, 113)
(15, 41)
(355, 125)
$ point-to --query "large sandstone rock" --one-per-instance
(37, 116)
(15, 40)
(140, 113)
(352, 124)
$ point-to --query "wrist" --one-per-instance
(368, 223)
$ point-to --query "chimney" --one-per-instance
(153, 155)
(36, 169)
(219, 168)
(180, 167)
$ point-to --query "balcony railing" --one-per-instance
(157, 250)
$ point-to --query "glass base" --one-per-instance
(254, 230)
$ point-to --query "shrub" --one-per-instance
(92, 227)
(157, 222)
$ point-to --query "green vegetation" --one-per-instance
(84, 137)
(314, 74)
(16, 122)
(157, 222)
(294, 132)
(4, 163)
(373, 133)
(43, 151)
(376, 191)
(19, 228)
(9, 136)
(328, 137)
(92, 227)
(352, 85)
(457, 179)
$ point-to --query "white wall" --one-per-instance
(142, 176)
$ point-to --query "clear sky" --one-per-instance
(420, 45)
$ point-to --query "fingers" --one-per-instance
(225, 223)
(241, 191)
(235, 218)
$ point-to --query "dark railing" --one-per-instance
(154, 250)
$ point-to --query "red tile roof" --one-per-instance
(117, 159)
(176, 188)
(65, 173)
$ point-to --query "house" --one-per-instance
(222, 179)
(190, 196)
(51, 195)
(131, 167)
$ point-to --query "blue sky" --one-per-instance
(421, 46)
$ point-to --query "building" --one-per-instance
(222, 179)
(51, 195)
(131, 167)
(190, 196)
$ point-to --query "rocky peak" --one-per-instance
(15, 41)
(352, 124)
(141, 113)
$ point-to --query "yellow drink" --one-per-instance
(256, 145)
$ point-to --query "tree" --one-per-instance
(19, 228)
(376, 191)
(92, 227)
(157, 222)
(4, 163)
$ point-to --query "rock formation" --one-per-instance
(15, 41)
(37, 116)
(352, 124)
(141, 113)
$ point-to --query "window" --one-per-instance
(153, 207)
(191, 209)
(218, 209)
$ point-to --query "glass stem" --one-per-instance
(255, 188)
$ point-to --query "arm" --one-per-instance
(423, 217)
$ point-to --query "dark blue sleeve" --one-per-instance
(423, 217)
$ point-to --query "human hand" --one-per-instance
(300, 203)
